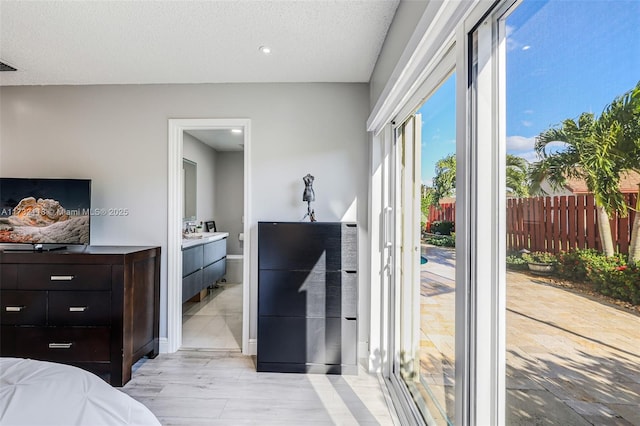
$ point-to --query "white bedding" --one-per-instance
(45, 393)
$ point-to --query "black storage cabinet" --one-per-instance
(307, 297)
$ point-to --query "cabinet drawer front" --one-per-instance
(191, 285)
(299, 293)
(79, 308)
(299, 246)
(282, 340)
(214, 272)
(8, 276)
(23, 307)
(63, 344)
(301, 340)
(191, 260)
(349, 247)
(215, 251)
(64, 277)
(349, 294)
(349, 338)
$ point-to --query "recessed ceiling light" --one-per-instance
(265, 49)
(236, 130)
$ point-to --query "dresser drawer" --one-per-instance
(299, 293)
(349, 249)
(79, 308)
(82, 344)
(8, 276)
(23, 307)
(64, 277)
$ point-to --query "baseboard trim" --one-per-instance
(253, 347)
(363, 350)
(164, 345)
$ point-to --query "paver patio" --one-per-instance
(571, 359)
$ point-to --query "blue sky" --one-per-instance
(564, 57)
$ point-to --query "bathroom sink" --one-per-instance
(191, 236)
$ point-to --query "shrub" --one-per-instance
(586, 265)
(611, 276)
(516, 262)
(442, 227)
(441, 240)
(539, 257)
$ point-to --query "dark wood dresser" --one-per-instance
(307, 297)
(95, 307)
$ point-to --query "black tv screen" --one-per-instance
(45, 211)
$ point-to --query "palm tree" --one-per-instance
(517, 176)
(597, 151)
(621, 120)
(444, 182)
(585, 157)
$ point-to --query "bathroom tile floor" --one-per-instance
(215, 323)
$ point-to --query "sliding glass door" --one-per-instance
(424, 282)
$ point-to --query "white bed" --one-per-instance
(45, 393)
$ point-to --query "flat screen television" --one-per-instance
(45, 212)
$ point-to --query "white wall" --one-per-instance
(205, 158)
(117, 136)
(404, 23)
(229, 210)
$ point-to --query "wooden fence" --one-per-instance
(561, 223)
(447, 211)
(555, 224)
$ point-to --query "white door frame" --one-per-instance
(174, 226)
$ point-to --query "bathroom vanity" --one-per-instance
(204, 261)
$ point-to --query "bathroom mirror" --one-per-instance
(189, 178)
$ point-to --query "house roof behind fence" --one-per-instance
(629, 182)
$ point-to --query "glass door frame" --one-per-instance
(410, 259)
(480, 225)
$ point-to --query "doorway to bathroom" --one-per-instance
(214, 317)
(213, 163)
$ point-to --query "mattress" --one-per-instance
(45, 393)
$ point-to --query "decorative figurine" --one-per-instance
(309, 195)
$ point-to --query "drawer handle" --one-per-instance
(62, 277)
(350, 318)
(14, 308)
(77, 308)
(60, 345)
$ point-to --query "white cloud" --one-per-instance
(530, 156)
(552, 147)
(523, 147)
(527, 123)
(520, 143)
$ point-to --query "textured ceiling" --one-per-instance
(137, 42)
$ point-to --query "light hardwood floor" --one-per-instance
(223, 388)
